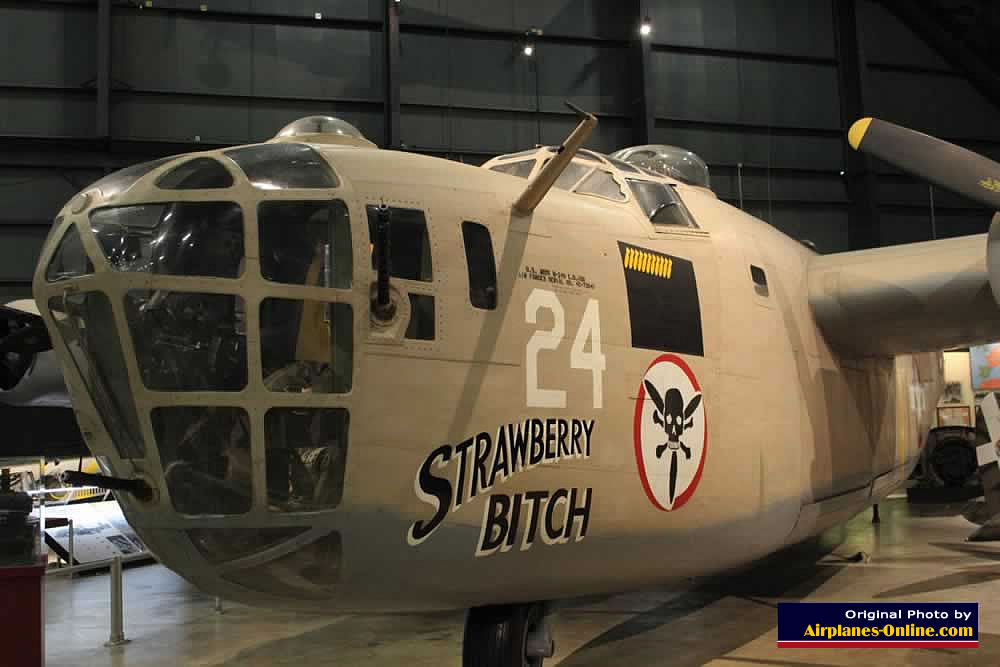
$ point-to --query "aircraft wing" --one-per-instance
(919, 296)
(908, 298)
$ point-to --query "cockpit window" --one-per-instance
(305, 243)
(661, 203)
(186, 341)
(181, 239)
(87, 325)
(623, 166)
(123, 179)
(410, 245)
(69, 260)
(201, 173)
(602, 184)
(283, 165)
(520, 169)
(573, 172)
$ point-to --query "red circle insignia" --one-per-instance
(670, 432)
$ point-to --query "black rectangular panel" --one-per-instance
(663, 306)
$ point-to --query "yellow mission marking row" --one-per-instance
(648, 262)
(991, 184)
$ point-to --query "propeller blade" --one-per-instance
(673, 474)
(950, 166)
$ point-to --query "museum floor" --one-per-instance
(728, 620)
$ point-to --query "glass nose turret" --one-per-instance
(205, 311)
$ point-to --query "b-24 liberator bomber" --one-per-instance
(328, 376)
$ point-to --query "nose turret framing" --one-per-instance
(205, 311)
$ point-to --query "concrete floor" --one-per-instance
(727, 620)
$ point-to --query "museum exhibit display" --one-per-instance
(508, 335)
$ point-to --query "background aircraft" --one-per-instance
(342, 378)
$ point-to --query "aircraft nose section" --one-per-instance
(208, 343)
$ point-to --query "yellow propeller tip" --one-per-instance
(857, 132)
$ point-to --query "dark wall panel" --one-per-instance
(296, 61)
(886, 40)
(827, 228)
(19, 251)
(343, 9)
(442, 70)
(584, 18)
(780, 186)
(221, 121)
(174, 53)
(944, 105)
(766, 26)
(732, 146)
(165, 118)
(34, 196)
(733, 90)
(580, 18)
(594, 78)
(162, 52)
(47, 46)
(46, 114)
(609, 135)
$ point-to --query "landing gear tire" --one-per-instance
(514, 635)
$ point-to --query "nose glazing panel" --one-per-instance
(205, 454)
(187, 341)
(306, 456)
(182, 239)
(267, 436)
(87, 326)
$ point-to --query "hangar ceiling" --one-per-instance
(763, 91)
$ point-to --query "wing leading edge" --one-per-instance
(909, 298)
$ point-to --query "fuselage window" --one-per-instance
(661, 204)
(601, 184)
(482, 265)
(421, 326)
(410, 247)
(201, 173)
(520, 169)
(305, 243)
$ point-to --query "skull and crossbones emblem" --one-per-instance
(673, 417)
